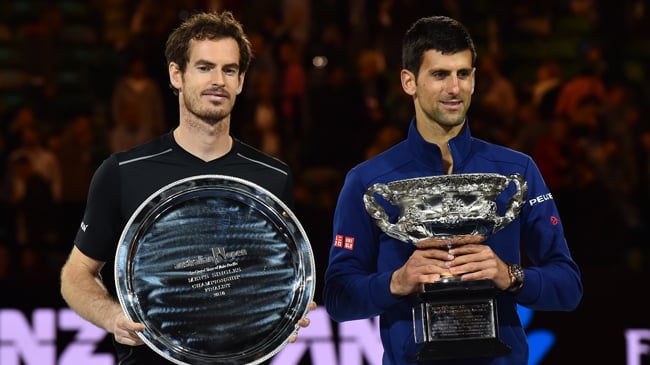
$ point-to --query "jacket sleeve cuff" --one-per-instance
(380, 291)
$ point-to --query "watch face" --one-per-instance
(516, 274)
(519, 272)
(218, 270)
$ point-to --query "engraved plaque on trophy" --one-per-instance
(452, 319)
(218, 270)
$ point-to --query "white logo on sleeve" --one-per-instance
(84, 226)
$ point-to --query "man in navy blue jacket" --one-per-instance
(372, 274)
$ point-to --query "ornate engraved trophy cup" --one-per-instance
(218, 270)
(452, 318)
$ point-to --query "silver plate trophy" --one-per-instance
(218, 270)
(451, 318)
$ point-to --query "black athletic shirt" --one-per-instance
(126, 179)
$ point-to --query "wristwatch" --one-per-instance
(516, 278)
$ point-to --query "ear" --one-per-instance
(175, 76)
(409, 82)
(473, 79)
(241, 82)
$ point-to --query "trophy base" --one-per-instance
(457, 320)
(476, 348)
(452, 289)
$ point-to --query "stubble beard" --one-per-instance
(208, 115)
(448, 120)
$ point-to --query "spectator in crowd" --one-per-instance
(137, 108)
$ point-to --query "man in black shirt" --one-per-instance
(207, 56)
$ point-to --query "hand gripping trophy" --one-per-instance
(452, 318)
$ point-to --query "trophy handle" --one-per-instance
(379, 214)
(515, 203)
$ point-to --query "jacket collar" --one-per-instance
(429, 154)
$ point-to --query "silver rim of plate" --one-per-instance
(218, 269)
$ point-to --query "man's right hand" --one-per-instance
(126, 331)
(426, 265)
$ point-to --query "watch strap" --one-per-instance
(517, 275)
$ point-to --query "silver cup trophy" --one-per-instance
(452, 318)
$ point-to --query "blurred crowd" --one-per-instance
(562, 80)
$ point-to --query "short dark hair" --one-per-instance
(438, 33)
(207, 25)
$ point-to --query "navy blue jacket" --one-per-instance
(357, 280)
